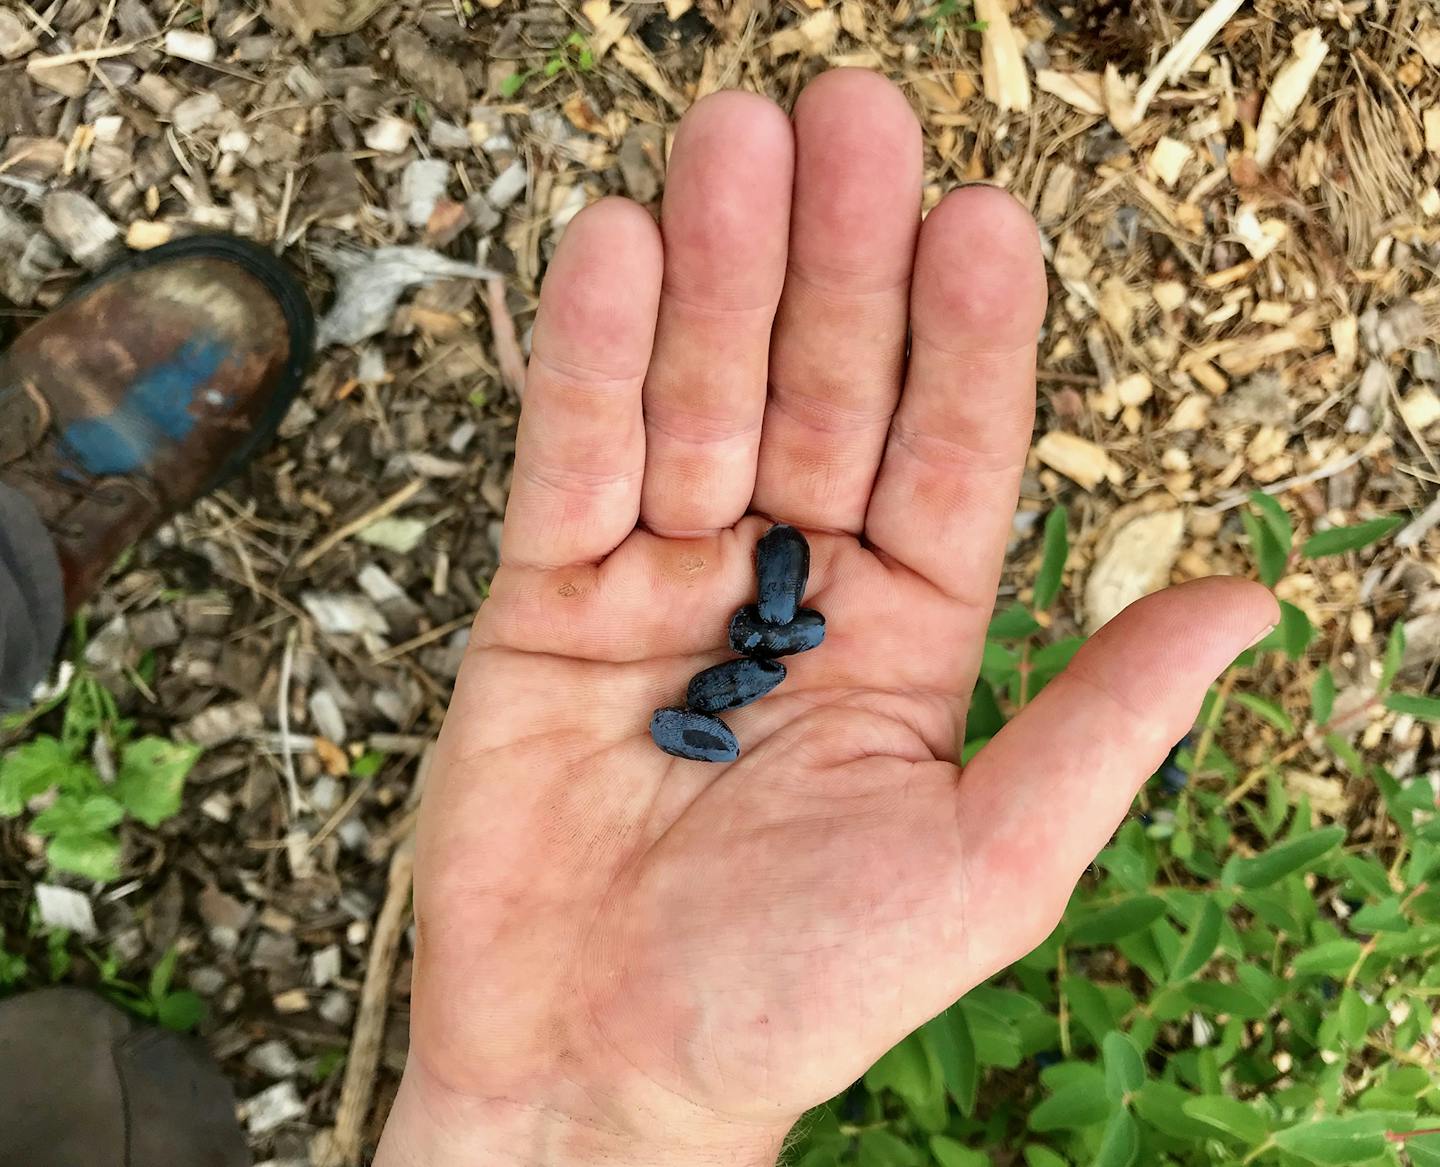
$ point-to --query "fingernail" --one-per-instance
(1269, 628)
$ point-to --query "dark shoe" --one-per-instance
(146, 389)
(83, 1084)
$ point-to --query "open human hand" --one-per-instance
(625, 957)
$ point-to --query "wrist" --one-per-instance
(431, 1126)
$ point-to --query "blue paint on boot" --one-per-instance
(157, 407)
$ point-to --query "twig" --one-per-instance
(342, 1149)
(1329, 470)
(507, 344)
(335, 538)
(1173, 65)
(381, 658)
(287, 755)
(36, 64)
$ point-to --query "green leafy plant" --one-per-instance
(1238, 982)
(573, 54)
(177, 1009)
(950, 16)
(80, 811)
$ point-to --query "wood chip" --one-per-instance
(86, 232)
(1168, 159)
(812, 37)
(1136, 560)
(1183, 54)
(1082, 91)
(190, 46)
(1077, 458)
(16, 36)
(1287, 91)
(632, 57)
(67, 80)
(1007, 84)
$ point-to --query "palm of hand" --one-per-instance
(608, 929)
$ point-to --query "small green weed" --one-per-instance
(177, 1009)
(1237, 983)
(81, 808)
(572, 55)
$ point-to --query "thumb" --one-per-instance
(1045, 795)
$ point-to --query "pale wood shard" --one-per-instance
(1082, 91)
(1168, 158)
(1078, 459)
(812, 37)
(633, 58)
(1137, 557)
(1288, 91)
(1007, 84)
(1182, 55)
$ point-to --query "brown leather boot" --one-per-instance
(83, 1084)
(146, 389)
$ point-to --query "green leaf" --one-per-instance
(1014, 623)
(74, 814)
(1296, 631)
(1275, 863)
(29, 770)
(1348, 1139)
(163, 973)
(1415, 704)
(882, 1149)
(180, 1011)
(1394, 655)
(1200, 942)
(1111, 923)
(1124, 1067)
(514, 83)
(1052, 565)
(1424, 1151)
(949, 1153)
(1270, 557)
(996, 1041)
(1120, 1143)
(905, 1069)
(1162, 1105)
(1274, 517)
(367, 765)
(1266, 711)
(1218, 997)
(95, 856)
(1330, 958)
(1038, 1156)
(1338, 540)
(152, 777)
(1322, 695)
(1230, 1117)
(1074, 1106)
(948, 1039)
(1353, 1015)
